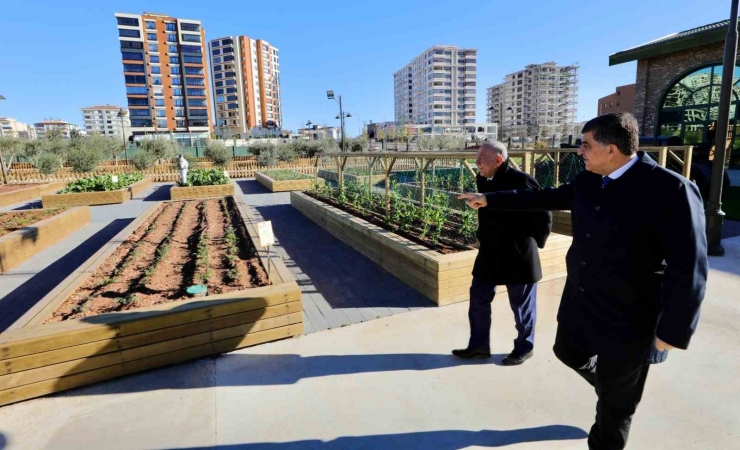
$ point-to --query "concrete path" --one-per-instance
(390, 383)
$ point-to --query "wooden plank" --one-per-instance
(21, 195)
(688, 158)
(85, 198)
(35, 360)
(50, 386)
(72, 367)
(200, 192)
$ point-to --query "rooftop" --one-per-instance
(675, 42)
(102, 107)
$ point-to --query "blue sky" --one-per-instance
(60, 56)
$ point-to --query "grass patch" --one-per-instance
(285, 175)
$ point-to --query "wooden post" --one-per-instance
(688, 155)
(527, 163)
(371, 164)
(316, 170)
(388, 167)
(663, 157)
(423, 180)
(556, 170)
(342, 161)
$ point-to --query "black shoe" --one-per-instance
(514, 358)
(468, 353)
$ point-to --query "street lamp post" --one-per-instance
(121, 114)
(501, 118)
(715, 215)
(341, 116)
(2, 158)
(308, 128)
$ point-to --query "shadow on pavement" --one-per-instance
(16, 303)
(160, 194)
(252, 187)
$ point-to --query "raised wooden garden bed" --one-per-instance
(11, 194)
(332, 175)
(25, 242)
(411, 190)
(283, 185)
(40, 354)
(561, 223)
(96, 198)
(196, 192)
(443, 278)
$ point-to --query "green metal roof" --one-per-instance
(704, 35)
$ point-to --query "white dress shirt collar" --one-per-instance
(619, 172)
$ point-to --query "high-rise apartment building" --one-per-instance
(106, 120)
(246, 80)
(437, 87)
(10, 127)
(166, 73)
(540, 100)
(65, 129)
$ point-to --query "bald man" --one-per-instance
(507, 256)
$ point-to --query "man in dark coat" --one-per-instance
(637, 268)
(507, 256)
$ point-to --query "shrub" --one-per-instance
(160, 148)
(206, 177)
(49, 164)
(258, 147)
(286, 153)
(218, 153)
(358, 144)
(85, 154)
(267, 156)
(142, 161)
(101, 183)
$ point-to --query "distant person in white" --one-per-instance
(183, 170)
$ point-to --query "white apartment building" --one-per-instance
(437, 87)
(317, 132)
(10, 127)
(540, 100)
(105, 120)
(65, 128)
(246, 81)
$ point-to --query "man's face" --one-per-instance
(596, 156)
(487, 162)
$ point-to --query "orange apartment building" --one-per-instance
(246, 82)
(166, 73)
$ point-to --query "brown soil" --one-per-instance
(443, 246)
(4, 188)
(134, 276)
(12, 221)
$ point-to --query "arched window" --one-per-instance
(690, 107)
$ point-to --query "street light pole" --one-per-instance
(2, 158)
(715, 215)
(121, 114)
(341, 115)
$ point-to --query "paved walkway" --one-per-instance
(391, 384)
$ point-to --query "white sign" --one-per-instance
(114, 178)
(226, 174)
(265, 231)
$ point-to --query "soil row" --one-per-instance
(13, 221)
(180, 245)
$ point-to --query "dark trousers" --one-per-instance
(523, 301)
(619, 385)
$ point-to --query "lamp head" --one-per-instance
(330, 95)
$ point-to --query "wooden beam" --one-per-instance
(388, 167)
(687, 159)
(470, 169)
(663, 156)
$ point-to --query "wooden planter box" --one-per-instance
(283, 185)
(195, 192)
(444, 279)
(22, 244)
(561, 223)
(96, 198)
(38, 359)
(30, 193)
(362, 179)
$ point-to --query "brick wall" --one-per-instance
(655, 76)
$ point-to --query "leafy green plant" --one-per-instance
(469, 224)
(218, 153)
(285, 174)
(207, 177)
(101, 183)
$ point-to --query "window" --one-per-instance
(197, 92)
(232, 98)
(197, 103)
(219, 91)
(132, 56)
(157, 80)
(154, 58)
(195, 81)
(180, 113)
(159, 102)
(217, 59)
(136, 90)
(218, 68)
(226, 42)
(190, 26)
(180, 124)
(171, 38)
(193, 71)
(175, 70)
(228, 58)
(174, 60)
(135, 79)
(228, 50)
(230, 82)
(179, 102)
(230, 74)
(191, 38)
(128, 21)
(151, 36)
(191, 48)
(160, 113)
(156, 69)
(153, 47)
(192, 59)
(177, 81)
(140, 123)
(172, 49)
(132, 44)
(220, 99)
(170, 27)
(133, 68)
(230, 90)
(162, 123)
(139, 112)
(177, 92)
(216, 51)
(138, 101)
(198, 112)
(218, 76)
(151, 25)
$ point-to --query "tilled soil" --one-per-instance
(158, 262)
(13, 221)
(4, 188)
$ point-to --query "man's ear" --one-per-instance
(499, 159)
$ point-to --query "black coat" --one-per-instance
(508, 240)
(638, 264)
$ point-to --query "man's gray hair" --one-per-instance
(498, 148)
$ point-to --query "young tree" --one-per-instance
(218, 153)
(49, 164)
(160, 148)
(86, 153)
(9, 146)
(424, 142)
(32, 151)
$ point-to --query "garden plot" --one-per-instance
(11, 194)
(283, 180)
(203, 183)
(98, 190)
